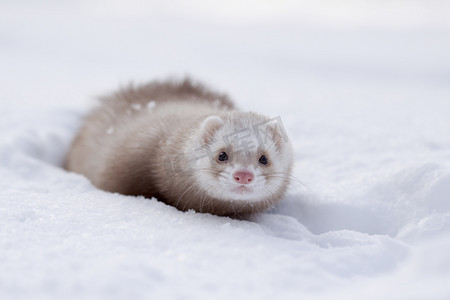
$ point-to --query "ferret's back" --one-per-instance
(163, 91)
(121, 113)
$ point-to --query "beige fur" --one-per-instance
(143, 141)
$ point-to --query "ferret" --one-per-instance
(185, 145)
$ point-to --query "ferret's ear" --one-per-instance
(275, 133)
(209, 126)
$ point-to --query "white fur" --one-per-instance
(224, 187)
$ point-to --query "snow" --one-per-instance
(362, 89)
(151, 105)
(110, 130)
(136, 106)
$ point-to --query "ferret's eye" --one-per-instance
(222, 156)
(263, 160)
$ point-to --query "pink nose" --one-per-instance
(243, 177)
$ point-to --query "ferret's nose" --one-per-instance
(243, 177)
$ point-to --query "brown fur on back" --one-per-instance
(168, 90)
(124, 144)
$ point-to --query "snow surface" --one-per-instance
(363, 89)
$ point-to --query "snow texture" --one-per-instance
(363, 89)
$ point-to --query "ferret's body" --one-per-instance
(162, 140)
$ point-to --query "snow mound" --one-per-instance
(63, 238)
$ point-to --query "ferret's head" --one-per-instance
(242, 158)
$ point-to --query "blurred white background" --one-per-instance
(71, 51)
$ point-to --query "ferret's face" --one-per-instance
(246, 158)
